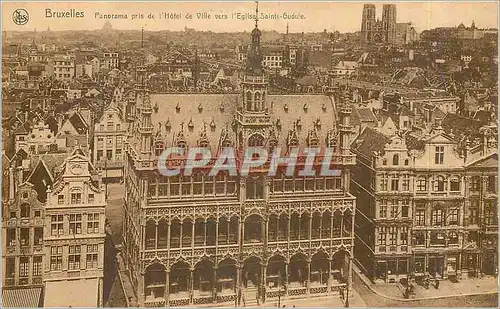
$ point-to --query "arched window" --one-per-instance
(407, 162)
(256, 140)
(255, 188)
(257, 102)
(439, 184)
(249, 101)
(25, 210)
(395, 159)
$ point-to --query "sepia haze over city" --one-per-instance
(340, 16)
(277, 154)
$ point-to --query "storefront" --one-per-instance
(22, 297)
(73, 293)
(391, 270)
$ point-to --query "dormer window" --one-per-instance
(200, 108)
(299, 125)
(191, 125)
(278, 124)
(318, 124)
(159, 146)
(256, 140)
(168, 126)
(226, 143)
(203, 143)
(181, 144)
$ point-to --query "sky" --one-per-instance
(302, 16)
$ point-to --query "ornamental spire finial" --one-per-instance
(256, 13)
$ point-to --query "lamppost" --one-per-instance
(346, 304)
(279, 289)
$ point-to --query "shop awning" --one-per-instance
(25, 297)
(74, 293)
(111, 173)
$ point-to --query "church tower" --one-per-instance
(143, 110)
(253, 115)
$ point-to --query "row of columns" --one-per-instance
(334, 232)
(239, 285)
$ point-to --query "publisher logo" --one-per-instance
(20, 17)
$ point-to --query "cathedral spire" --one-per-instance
(256, 14)
(254, 58)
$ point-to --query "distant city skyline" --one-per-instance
(341, 16)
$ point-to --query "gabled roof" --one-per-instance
(490, 161)
(78, 122)
(461, 125)
(414, 142)
(370, 141)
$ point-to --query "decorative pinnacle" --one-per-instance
(256, 13)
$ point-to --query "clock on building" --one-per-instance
(76, 169)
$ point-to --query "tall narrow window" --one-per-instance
(93, 223)
(439, 155)
(24, 267)
(25, 210)
(76, 198)
(384, 182)
(404, 235)
(56, 254)
(395, 159)
(91, 257)
(37, 266)
(439, 184)
(395, 183)
(437, 217)
(420, 217)
(383, 208)
(56, 225)
(75, 223)
(74, 257)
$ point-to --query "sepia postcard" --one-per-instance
(249, 154)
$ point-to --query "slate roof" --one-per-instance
(460, 124)
(284, 110)
(369, 141)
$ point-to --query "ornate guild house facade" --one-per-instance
(231, 238)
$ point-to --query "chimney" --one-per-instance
(20, 173)
(12, 183)
(99, 179)
(484, 145)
